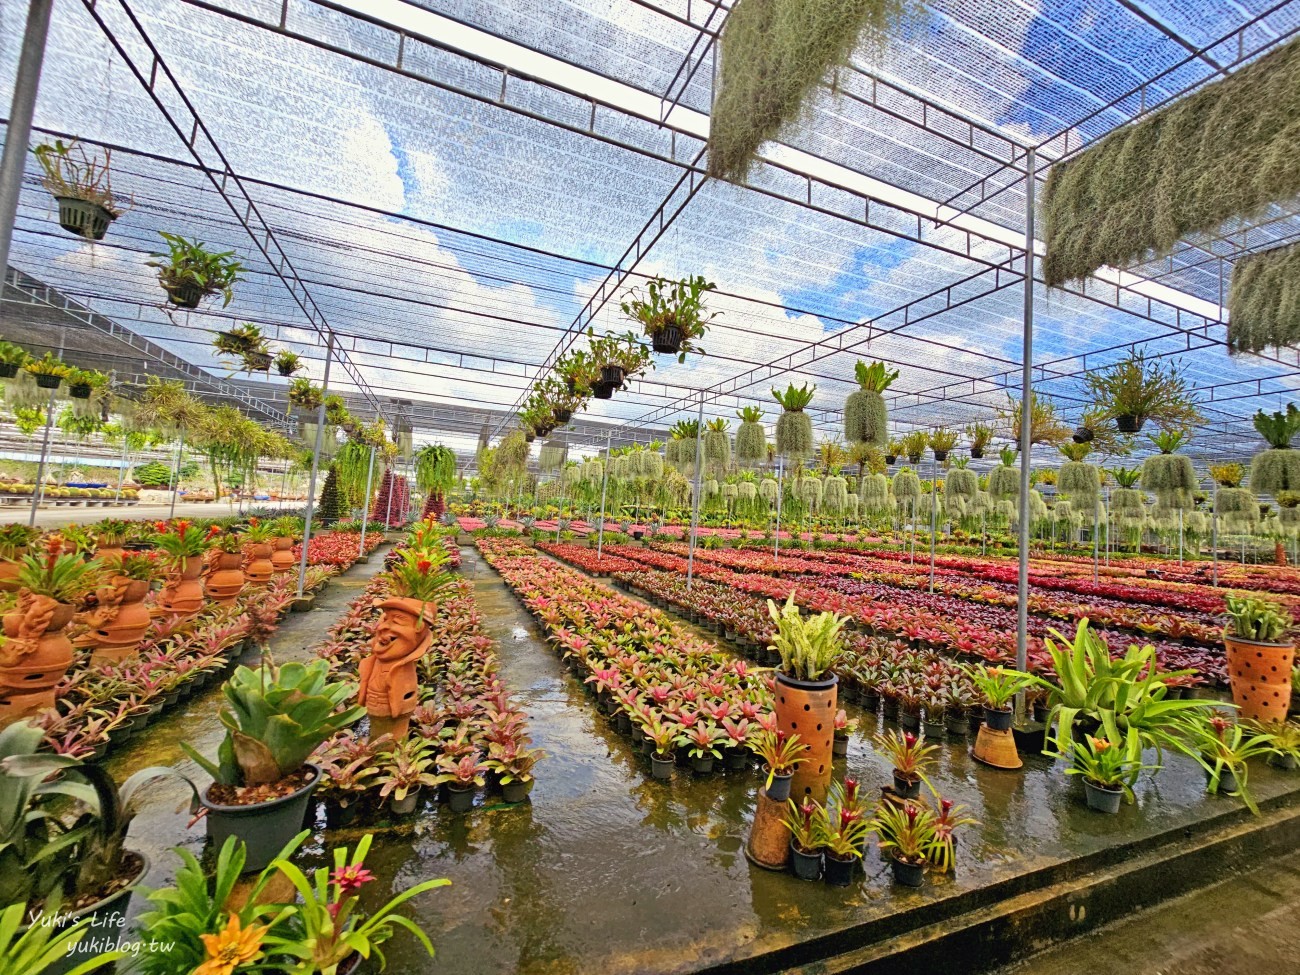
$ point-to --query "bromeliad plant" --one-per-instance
(808, 647)
(63, 577)
(1113, 764)
(908, 753)
(180, 540)
(781, 753)
(1259, 620)
(865, 415)
(668, 307)
(275, 717)
(1223, 747)
(997, 685)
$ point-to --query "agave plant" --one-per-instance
(1277, 468)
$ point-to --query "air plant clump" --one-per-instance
(751, 440)
(835, 494)
(1168, 475)
(1077, 478)
(1045, 424)
(865, 415)
(961, 483)
(1277, 468)
(794, 433)
(717, 444)
(1264, 299)
(1004, 480)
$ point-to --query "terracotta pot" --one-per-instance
(259, 568)
(226, 579)
(1260, 676)
(37, 655)
(107, 552)
(282, 554)
(183, 594)
(807, 709)
(121, 638)
(9, 569)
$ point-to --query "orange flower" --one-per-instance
(231, 948)
(1099, 744)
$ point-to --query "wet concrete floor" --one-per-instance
(609, 871)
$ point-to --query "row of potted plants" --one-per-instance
(73, 496)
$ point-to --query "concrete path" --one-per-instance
(53, 517)
(1247, 925)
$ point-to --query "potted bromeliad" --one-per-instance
(672, 314)
(463, 776)
(1260, 655)
(275, 717)
(781, 754)
(405, 768)
(910, 756)
(806, 822)
(1109, 765)
(189, 272)
(907, 832)
(247, 344)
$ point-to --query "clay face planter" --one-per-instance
(1260, 675)
(390, 687)
(259, 567)
(35, 657)
(807, 709)
(122, 621)
(282, 559)
(225, 579)
(183, 594)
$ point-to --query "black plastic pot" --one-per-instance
(529, 437)
(8, 370)
(702, 764)
(737, 759)
(187, 295)
(563, 416)
(840, 746)
(257, 361)
(909, 720)
(1129, 424)
(516, 791)
(805, 866)
(890, 458)
(838, 873)
(914, 458)
(905, 787)
(612, 375)
(779, 790)
(265, 827)
(870, 701)
(998, 720)
(337, 815)
(956, 724)
(662, 768)
(460, 800)
(1102, 800)
(46, 381)
(976, 453)
(908, 874)
(603, 390)
(1082, 435)
(940, 456)
(83, 218)
(79, 390)
(107, 923)
(405, 805)
(1285, 761)
(667, 340)
(1227, 781)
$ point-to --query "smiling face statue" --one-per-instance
(390, 688)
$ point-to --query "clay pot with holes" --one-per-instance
(282, 559)
(807, 709)
(258, 567)
(225, 580)
(1260, 675)
(183, 594)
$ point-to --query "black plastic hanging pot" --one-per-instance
(83, 218)
(890, 459)
(603, 390)
(185, 295)
(79, 390)
(1083, 435)
(940, 456)
(563, 416)
(46, 380)
(612, 376)
(257, 361)
(1129, 424)
(529, 437)
(914, 458)
(976, 453)
(8, 370)
(667, 340)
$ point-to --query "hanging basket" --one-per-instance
(976, 453)
(257, 361)
(667, 340)
(891, 458)
(46, 380)
(1085, 434)
(83, 218)
(79, 390)
(563, 416)
(187, 295)
(529, 437)
(603, 390)
(940, 456)
(8, 370)
(612, 376)
(1128, 424)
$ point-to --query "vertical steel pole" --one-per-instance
(1096, 538)
(1180, 536)
(121, 472)
(365, 514)
(604, 488)
(388, 505)
(39, 488)
(695, 506)
(315, 466)
(1026, 425)
(18, 133)
(934, 518)
(176, 475)
(780, 490)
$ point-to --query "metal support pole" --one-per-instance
(388, 506)
(1026, 414)
(604, 488)
(1096, 539)
(121, 472)
(1180, 536)
(18, 133)
(780, 490)
(934, 518)
(695, 506)
(365, 514)
(39, 488)
(315, 466)
(176, 477)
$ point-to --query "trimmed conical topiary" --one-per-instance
(331, 506)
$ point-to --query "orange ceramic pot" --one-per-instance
(107, 552)
(35, 658)
(282, 554)
(121, 638)
(9, 569)
(807, 709)
(259, 568)
(226, 577)
(1260, 675)
(183, 594)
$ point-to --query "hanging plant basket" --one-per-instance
(79, 390)
(562, 416)
(612, 376)
(1085, 434)
(667, 340)
(185, 295)
(940, 456)
(47, 380)
(976, 453)
(891, 459)
(83, 218)
(257, 361)
(603, 390)
(8, 370)
(529, 437)
(1126, 424)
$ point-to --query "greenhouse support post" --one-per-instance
(315, 466)
(18, 133)
(1096, 540)
(388, 506)
(695, 506)
(780, 490)
(39, 488)
(176, 475)
(604, 487)
(1026, 426)
(365, 514)
(934, 518)
(121, 471)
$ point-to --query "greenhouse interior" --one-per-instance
(649, 486)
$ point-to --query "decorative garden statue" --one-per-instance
(390, 687)
(35, 655)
